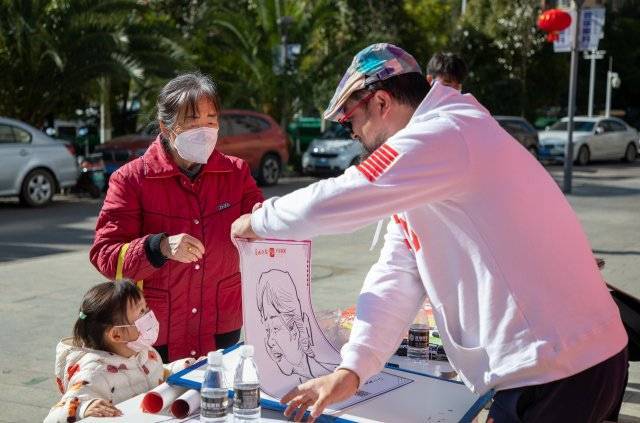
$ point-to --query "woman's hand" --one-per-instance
(183, 248)
(102, 408)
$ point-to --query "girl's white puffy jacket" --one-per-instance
(84, 375)
(481, 228)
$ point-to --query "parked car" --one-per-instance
(332, 153)
(251, 136)
(33, 165)
(594, 138)
(520, 129)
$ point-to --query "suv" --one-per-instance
(520, 129)
(254, 137)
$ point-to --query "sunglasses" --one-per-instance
(345, 121)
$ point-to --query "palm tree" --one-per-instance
(59, 55)
(242, 48)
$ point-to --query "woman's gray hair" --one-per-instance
(179, 97)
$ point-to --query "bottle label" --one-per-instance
(247, 399)
(418, 338)
(213, 407)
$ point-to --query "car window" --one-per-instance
(606, 125)
(578, 126)
(6, 135)
(12, 135)
(243, 124)
(525, 126)
(616, 126)
(21, 135)
(335, 131)
(510, 126)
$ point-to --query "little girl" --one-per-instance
(110, 357)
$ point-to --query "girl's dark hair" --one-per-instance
(103, 306)
(179, 97)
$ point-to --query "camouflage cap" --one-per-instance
(374, 63)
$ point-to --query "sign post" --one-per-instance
(568, 148)
(593, 55)
(582, 35)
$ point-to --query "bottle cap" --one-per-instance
(247, 351)
(214, 358)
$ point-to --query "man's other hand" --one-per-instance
(319, 393)
(241, 228)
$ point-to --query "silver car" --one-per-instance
(332, 153)
(33, 165)
(594, 138)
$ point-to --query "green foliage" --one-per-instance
(53, 52)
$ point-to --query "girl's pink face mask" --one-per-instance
(148, 328)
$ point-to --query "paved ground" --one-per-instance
(44, 271)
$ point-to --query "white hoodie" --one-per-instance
(84, 375)
(482, 229)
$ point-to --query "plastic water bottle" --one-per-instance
(214, 395)
(246, 387)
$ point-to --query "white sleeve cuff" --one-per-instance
(360, 360)
(257, 222)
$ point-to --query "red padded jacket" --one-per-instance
(150, 195)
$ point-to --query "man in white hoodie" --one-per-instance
(478, 226)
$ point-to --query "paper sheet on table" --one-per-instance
(279, 321)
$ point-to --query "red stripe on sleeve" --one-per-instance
(371, 169)
(373, 162)
(389, 150)
(377, 159)
(366, 173)
(382, 158)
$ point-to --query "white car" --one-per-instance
(33, 165)
(332, 153)
(594, 138)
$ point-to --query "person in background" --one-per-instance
(166, 221)
(109, 359)
(448, 68)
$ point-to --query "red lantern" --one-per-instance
(553, 21)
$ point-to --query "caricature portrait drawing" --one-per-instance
(279, 321)
(288, 334)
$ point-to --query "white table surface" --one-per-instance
(426, 399)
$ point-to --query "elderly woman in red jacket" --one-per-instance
(166, 222)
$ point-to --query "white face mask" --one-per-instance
(196, 145)
(148, 327)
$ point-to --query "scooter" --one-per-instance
(92, 177)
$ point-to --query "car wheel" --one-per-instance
(37, 188)
(584, 155)
(631, 153)
(270, 170)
